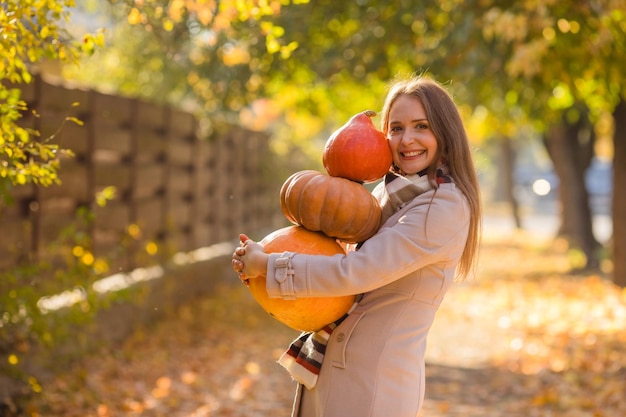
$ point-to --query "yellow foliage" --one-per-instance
(134, 231)
(87, 258)
(234, 55)
(152, 248)
(134, 17)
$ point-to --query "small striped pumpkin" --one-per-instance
(336, 206)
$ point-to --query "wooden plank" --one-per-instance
(117, 139)
(179, 182)
(29, 90)
(226, 230)
(18, 209)
(238, 149)
(15, 245)
(57, 101)
(180, 152)
(207, 212)
(55, 216)
(178, 216)
(150, 146)
(149, 181)
(178, 241)
(74, 183)
(220, 189)
(205, 158)
(150, 116)
(226, 154)
(58, 205)
(115, 175)
(19, 192)
(202, 235)
(68, 135)
(27, 120)
(74, 137)
(182, 125)
(108, 157)
(110, 112)
(115, 215)
(150, 217)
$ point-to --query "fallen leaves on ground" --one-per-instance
(545, 342)
(213, 358)
(522, 338)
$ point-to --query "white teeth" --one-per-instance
(413, 153)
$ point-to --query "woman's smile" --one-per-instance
(412, 154)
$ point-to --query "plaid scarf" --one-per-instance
(303, 359)
(400, 190)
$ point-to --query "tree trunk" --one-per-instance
(571, 152)
(508, 166)
(619, 198)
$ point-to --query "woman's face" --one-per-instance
(413, 143)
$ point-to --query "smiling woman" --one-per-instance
(430, 217)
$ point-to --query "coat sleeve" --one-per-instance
(431, 229)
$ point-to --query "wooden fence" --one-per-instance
(174, 189)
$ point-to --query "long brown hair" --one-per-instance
(452, 147)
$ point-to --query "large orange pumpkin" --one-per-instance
(304, 314)
(357, 150)
(336, 206)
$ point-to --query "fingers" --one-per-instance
(237, 265)
(237, 262)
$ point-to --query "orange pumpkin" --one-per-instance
(304, 314)
(357, 150)
(336, 206)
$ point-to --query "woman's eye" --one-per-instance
(421, 126)
(395, 129)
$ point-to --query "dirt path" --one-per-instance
(217, 358)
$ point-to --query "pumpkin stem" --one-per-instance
(369, 113)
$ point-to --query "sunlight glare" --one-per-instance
(541, 187)
(517, 343)
(504, 322)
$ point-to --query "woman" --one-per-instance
(374, 360)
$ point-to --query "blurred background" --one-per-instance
(137, 135)
(539, 84)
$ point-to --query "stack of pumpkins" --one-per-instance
(328, 211)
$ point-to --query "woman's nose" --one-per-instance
(406, 137)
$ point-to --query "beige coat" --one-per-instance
(374, 363)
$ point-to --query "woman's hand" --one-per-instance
(249, 259)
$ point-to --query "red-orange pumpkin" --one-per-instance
(305, 314)
(357, 150)
(336, 206)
